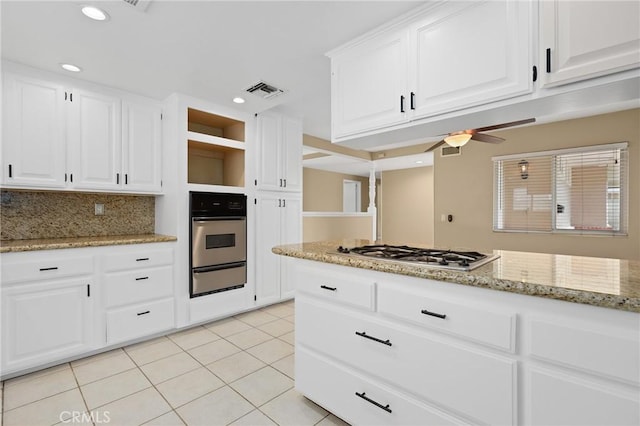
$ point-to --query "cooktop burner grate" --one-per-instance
(460, 260)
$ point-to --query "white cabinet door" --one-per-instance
(269, 152)
(45, 322)
(94, 141)
(33, 146)
(279, 153)
(469, 54)
(279, 221)
(585, 39)
(141, 147)
(268, 214)
(562, 399)
(291, 154)
(369, 85)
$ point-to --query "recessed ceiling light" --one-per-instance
(71, 67)
(238, 100)
(95, 13)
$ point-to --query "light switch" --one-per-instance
(99, 209)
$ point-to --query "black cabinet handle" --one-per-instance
(285, 183)
(143, 313)
(548, 60)
(535, 73)
(364, 396)
(10, 171)
(280, 183)
(284, 203)
(71, 177)
(142, 278)
(413, 100)
(401, 103)
(142, 259)
(433, 314)
(88, 290)
(53, 268)
(117, 178)
(71, 97)
(126, 179)
(366, 336)
(65, 177)
(328, 288)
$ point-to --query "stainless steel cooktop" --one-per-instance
(442, 259)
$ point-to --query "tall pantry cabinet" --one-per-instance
(278, 202)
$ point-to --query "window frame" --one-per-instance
(499, 194)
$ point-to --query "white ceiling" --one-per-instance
(211, 50)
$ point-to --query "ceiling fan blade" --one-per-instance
(434, 146)
(503, 125)
(483, 137)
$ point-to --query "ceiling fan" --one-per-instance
(460, 138)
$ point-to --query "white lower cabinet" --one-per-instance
(48, 308)
(60, 304)
(367, 351)
(278, 221)
(138, 294)
(358, 399)
(46, 321)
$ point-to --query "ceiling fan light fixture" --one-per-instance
(458, 139)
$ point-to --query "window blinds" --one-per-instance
(581, 190)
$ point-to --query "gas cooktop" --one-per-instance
(444, 259)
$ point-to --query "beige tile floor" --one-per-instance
(236, 371)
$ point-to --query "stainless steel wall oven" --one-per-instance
(218, 257)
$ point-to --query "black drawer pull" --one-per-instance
(366, 336)
(433, 314)
(143, 313)
(364, 396)
(329, 288)
(49, 269)
(141, 259)
(142, 278)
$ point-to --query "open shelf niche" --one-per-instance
(215, 149)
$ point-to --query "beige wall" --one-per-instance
(406, 206)
(322, 190)
(463, 187)
(336, 228)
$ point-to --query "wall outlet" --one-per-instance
(99, 209)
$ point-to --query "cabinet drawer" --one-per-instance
(338, 389)
(139, 320)
(593, 351)
(137, 286)
(138, 259)
(335, 286)
(46, 269)
(496, 329)
(450, 375)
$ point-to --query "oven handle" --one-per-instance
(212, 218)
(205, 269)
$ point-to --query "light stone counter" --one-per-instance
(7, 246)
(608, 283)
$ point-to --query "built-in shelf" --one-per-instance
(215, 146)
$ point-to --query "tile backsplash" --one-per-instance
(28, 215)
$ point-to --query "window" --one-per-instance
(579, 190)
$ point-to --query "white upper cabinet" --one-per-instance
(141, 146)
(279, 153)
(95, 138)
(469, 53)
(369, 85)
(33, 145)
(60, 136)
(447, 57)
(585, 39)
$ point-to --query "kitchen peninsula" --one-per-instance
(529, 338)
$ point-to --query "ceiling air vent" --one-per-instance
(140, 5)
(264, 90)
(451, 150)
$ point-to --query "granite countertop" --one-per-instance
(7, 246)
(609, 283)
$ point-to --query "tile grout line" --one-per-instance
(81, 393)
